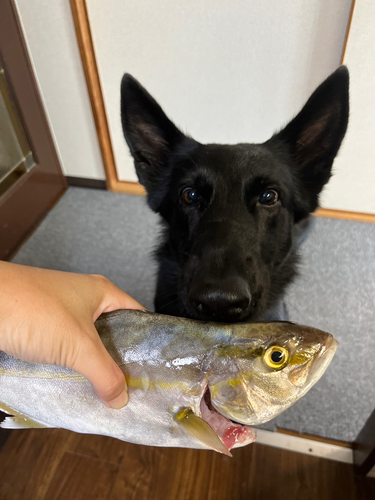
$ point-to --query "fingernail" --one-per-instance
(119, 402)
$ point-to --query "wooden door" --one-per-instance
(32, 186)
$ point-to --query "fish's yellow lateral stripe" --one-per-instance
(137, 382)
(146, 383)
(42, 375)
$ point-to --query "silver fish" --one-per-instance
(191, 384)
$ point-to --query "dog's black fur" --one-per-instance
(232, 213)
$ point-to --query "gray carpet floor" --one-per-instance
(92, 231)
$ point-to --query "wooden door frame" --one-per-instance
(87, 51)
(364, 448)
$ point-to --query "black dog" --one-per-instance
(232, 213)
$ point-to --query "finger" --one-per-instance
(94, 363)
(114, 298)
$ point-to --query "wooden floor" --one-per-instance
(56, 464)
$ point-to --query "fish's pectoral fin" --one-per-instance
(197, 428)
(15, 423)
(17, 420)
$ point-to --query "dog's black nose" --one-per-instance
(228, 302)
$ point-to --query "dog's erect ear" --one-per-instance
(314, 136)
(150, 135)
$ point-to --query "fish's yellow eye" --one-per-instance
(276, 357)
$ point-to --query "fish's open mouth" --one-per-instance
(233, 435)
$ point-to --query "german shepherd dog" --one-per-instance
(233, 214)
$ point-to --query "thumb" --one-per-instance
(107, 379)
(114, 298)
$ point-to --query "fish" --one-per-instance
(192, 384)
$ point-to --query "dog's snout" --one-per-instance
(225, 303)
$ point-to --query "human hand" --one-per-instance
(48, 317)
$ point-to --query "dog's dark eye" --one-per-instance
(269, 197)
(190, 196)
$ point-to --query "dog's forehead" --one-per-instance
(238, 162)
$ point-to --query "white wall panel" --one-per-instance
(353, 184)
(223, 70)
(49, 31)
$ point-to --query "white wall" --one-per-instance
(353, 185)
(49, 31)
(224, 70)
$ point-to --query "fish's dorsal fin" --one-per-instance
(200, 430)
(17, 420)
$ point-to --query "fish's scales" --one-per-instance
(147, 353)
(168, 363)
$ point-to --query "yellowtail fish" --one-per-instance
(191, 384)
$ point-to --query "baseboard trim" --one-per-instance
(86, 183)
(127, 187)
(306, 446)
(346, 215)
(315, 438)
